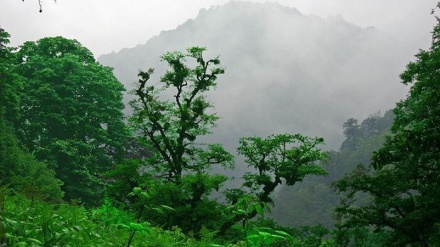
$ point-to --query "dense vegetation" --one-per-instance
(74, 173)
(313, 201)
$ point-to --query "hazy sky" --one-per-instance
(110, 25)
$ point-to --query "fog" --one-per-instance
(285, 71)
(291, 65)
(110, 25)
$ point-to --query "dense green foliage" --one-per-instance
(19, 168)
(70, 113)
(30, 223)
(35, 223)
(403, 178)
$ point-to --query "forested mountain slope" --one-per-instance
(285, 71)
(313, 201)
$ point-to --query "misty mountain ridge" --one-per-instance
(285, 71)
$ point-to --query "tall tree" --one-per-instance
(170, 126)
(70, 113)
(403, 179)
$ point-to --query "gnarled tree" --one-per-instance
(277, 159)
(170, 127)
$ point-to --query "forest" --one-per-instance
(76, 171)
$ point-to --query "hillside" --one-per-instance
(285, 71)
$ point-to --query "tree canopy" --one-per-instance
(70, 113)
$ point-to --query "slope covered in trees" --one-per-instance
(313, 201)
(308, 73)
(403, 177)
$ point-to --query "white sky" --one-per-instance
(104, 26)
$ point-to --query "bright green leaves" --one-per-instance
(30, 223)
(245, 207)
(243, 211)
(142, 194)
(279, 158)
(265, 236)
